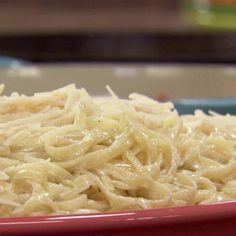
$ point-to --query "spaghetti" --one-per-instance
(64, 152)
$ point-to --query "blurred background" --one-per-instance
(119, 31)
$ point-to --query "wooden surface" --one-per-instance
(58, 16)
(108, 30)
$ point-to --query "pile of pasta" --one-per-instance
(65, 152)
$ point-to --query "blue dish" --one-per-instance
(6, 61)
(219, 105)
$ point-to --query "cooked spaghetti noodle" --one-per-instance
(64, 152)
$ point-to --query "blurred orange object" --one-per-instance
(222, 1)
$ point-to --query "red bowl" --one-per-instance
(216, 219)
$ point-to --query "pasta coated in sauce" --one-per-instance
(64, 152)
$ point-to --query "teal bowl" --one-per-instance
(219, 105)
(6, 61)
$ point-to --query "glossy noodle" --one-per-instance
(64, 152)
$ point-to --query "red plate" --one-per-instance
(216, 219)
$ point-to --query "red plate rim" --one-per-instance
(117, 220)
